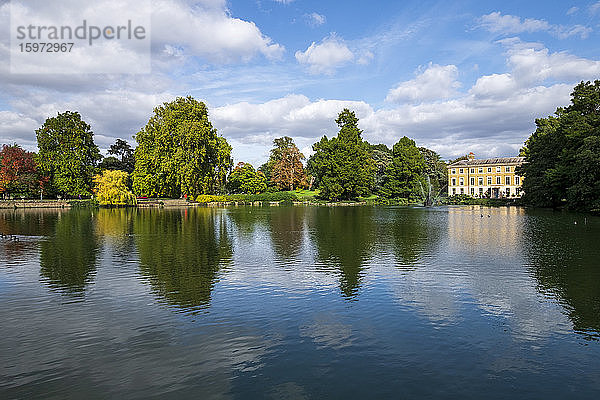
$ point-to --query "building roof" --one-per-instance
(489, 161)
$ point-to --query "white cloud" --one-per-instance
(209, 31)
(292, 115)
(495, 22)
(436, 82)
(316, 19)
(325, 57)
(510, 24)
(492, 118)
(530, 64)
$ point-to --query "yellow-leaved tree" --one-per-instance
(111, 189)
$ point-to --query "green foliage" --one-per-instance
(121, 157)
(382, 158)
(245, 179)
(435, 169)
(563, 155)
(342, 165)
(111, 189)
(179, 152)
(404, 173)
(286, 197)
(67, 154)
(211, 198)
(86, 203)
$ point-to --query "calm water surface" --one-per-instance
(299, 302)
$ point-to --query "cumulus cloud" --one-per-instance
(492, 118)
(112, 114)
(434, 83)
(325, 57)
(529, 63)
(495, 22)
(292, 115)
(209, 31)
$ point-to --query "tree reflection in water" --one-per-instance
(181, 252)
(286, 227)
(68, 255)
(344, 238)
(564, 258)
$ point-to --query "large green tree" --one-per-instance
(404, 174)
(342, 165)
(120, 158)
(563, 155)
(179, 152)
(245, 179)
(67, 154)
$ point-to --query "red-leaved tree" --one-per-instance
(18, 171)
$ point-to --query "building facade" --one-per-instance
(485, 178)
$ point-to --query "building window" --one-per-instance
(489, 169)
(517, 181)
(472, 181)
(498, 169)
(453, 191)
(453, 181)
(462, 191)
(453, 171)
(481, 170)
(489, 180)
(460, 171)
(508, 180)
(498, 180)
(480, 181)
(461, 181)
(507, 169)
(472, 191)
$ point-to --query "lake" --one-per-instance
(299, 302)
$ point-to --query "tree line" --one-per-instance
(180, 154)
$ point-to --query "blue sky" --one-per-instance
(455, 76)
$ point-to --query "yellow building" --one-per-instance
(490, 178)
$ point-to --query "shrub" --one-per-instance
(111, 189)
(209, 198)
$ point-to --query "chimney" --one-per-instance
(471, 156)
